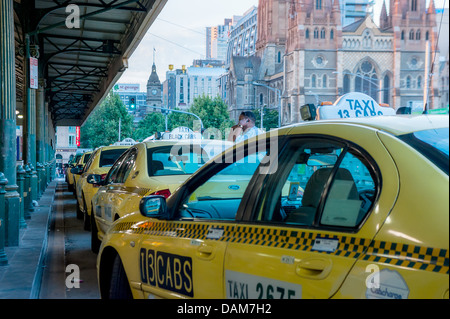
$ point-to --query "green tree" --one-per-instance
(149, 125)
(270, 119)
(213, 112)
(102, 126)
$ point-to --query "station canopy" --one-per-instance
(81, 59)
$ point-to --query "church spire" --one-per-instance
(383, 16)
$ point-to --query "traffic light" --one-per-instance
(133, 103)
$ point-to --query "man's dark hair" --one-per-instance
(250, 115)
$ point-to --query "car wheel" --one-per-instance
(95, 242)
(79, 212)
(119, 287)
(86, 219)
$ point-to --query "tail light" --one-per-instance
(164, 192)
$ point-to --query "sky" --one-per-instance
(178, 35)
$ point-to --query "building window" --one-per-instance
(331, 34)
(71, 141)
(408, 82)
(322, 33)
(418, 35)
(318, 4)
(411, 35)
(366, 80)
(313, 81)
(307, 33)
(427, 36)
(419, 82)
(316, 33)
(324, 81)
(346, 83)
(403, 35)
(413, 5)
(386, 89)
(279, 57)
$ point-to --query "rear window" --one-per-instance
(433, 144)
(109, 157)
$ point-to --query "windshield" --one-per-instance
(433, 144)
(180, 159)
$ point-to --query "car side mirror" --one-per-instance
(95, 179)
(76, 170)
(154, 206)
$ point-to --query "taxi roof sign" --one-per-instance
(127, 141)
(181, 133)
(351, 105)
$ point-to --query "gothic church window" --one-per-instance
(418, 35)
(403, 35)
(386, 89)
(322, 33)
(313, 81)
(366, 80)
(408, 82)
(413, 5)
(331, 34)
(324, 81)
(316, 33)
(307, 33)
(346, 83)
(411, 35)
(318, 4)
(419, 82)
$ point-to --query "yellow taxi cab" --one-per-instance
(372, 220)
(154, 167)
(99, 164)
(84, 158)
(69, 175)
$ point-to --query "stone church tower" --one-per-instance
(412, 25)
(314, 38)
(154, 92)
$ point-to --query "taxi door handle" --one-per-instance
(205, 251)
(314, 268)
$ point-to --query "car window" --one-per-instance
(433, 144)
(177, 159)
(90, 161)
(220, 195)
(113, 172)
(108, 157)
(86, 158)
(320, 184)
(126, 166)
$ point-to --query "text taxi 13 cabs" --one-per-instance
(354, 206)
(156, 167)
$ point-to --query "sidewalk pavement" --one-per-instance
(21, 278)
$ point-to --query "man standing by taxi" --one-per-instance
(245, 128)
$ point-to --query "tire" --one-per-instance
(79, 212)
(119, 287)
(95, 242)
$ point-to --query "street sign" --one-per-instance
(34, 73)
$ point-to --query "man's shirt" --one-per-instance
(248, 134)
